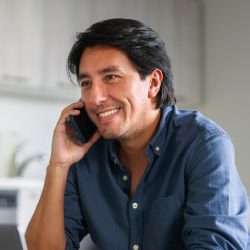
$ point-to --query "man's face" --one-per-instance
(115, 97)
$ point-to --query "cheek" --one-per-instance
(84, 95)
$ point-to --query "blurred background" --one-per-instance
(207, 40)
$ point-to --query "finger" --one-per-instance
(73, 106)
(93, 139)
(71, 110)
(70, 131)
(65, 116)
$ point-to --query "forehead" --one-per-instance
(100, 56)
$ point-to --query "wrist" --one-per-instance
(60, 170)
(58, 165)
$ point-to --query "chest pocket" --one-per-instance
(164, 223)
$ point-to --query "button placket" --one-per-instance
(136, 217)
(136, 222)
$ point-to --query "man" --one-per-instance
(152, 176)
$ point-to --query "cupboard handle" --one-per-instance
(21, 79)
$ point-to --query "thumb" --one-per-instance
(93, 139)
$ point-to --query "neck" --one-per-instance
(133, 150)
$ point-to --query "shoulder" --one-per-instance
(195, 124)
(191, 134)
(202, 141)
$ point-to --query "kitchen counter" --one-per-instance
(28, 193)
(21, 183)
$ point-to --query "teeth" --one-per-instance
(107, 113)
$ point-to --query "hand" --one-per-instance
(66, 149)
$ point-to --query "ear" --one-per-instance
(155, 79)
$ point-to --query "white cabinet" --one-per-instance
(62, 19)
(36, 37)
(21, 42)
(186, 55)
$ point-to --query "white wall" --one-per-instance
(226, 74)
(30, 122)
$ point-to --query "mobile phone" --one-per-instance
(83, 126)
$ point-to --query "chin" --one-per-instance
(109, 134)
(113, 132)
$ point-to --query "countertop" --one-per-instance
(21, 183)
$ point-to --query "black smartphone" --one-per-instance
(83, 126)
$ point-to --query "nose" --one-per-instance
(98, 93)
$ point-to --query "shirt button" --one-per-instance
(157, 148)
(135, 247)
(135, 205)
(125, 177)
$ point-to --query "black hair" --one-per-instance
(142, 45)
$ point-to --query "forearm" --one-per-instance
(46, 228)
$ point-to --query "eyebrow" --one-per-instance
(101, 71)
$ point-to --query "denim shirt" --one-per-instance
(190, 196)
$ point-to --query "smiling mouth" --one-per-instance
(109, 112)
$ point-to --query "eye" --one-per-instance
(110, 77)
(85, 84)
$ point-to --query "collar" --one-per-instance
(157, 143)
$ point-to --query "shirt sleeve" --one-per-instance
(75, 228)
(216, 212)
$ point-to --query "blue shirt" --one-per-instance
(190, 196)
